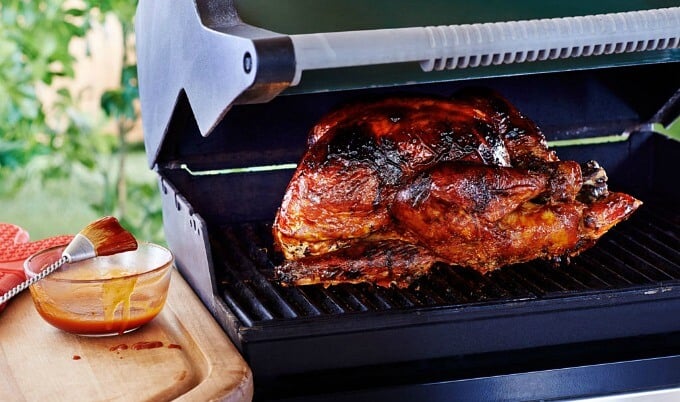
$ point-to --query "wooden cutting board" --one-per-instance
(196, 361)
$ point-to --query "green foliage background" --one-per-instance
(47, 161)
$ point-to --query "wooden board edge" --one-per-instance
(225, 375)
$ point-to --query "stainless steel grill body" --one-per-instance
(606, 323)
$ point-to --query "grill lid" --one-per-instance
(203, 51)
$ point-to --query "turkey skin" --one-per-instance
(389, 187)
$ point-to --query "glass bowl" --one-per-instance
(104, 295)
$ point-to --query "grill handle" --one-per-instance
(472, 45)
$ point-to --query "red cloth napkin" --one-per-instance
(14, 249)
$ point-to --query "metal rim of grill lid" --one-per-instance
(239, 63)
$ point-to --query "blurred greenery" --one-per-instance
(59, 166)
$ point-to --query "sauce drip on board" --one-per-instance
(116, 348)
(142, 345)
(146, 345)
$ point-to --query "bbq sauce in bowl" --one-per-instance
(105, 295)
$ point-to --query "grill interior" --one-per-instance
(639, 253)
(218, 223)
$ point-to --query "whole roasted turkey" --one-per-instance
(388, 187)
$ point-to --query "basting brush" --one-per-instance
(102, 237)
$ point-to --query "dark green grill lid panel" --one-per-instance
(310, 16)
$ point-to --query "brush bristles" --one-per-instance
(109, 237)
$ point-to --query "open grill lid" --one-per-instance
(220, 60)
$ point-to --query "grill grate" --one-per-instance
(643, 251)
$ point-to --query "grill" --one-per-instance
(641, 254)
(226, 121)
(630, 279)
